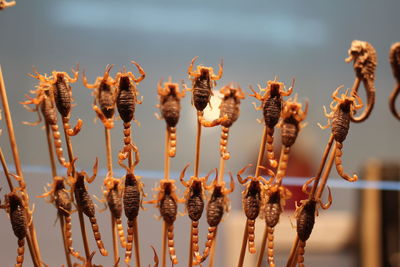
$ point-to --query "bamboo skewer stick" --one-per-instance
(80, 214)
(257, 173)
(213, 248)
(136, 242)
(5, 169)
(196, 173)
(54, 174)
(31, 239)
(325, 176)
(164, 244)
(293, 253)
(110, 172)
(166, 176)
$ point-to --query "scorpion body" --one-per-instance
(365, 61)
(271, 105)
(394, 58)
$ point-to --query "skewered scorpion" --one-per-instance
(252, 200)
(217, 204)
(170, 107)
(394, 58)
(167, 202)
(45, 102)
(126, 100)
(83, 200)
(104, 96)
(271, 104)
(340, 117)
(59, 196)
(16, 208)
(194, 196)
(364, 56)
(59, 82)
(229, 109)
(203, 80)
(305, 218)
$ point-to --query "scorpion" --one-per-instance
(4, 4)
(104, 96)
(394, 58)
(59, 196)
(170, 107)
(167, 202)
(203, 80)
(132, 199)
(45, 102)
(83, 200)
(365, 61)
(230, 110)
(194, 196)
(271, 104)
(252, 200)
(291, 123)
(305, 218)
(340, 116)
(60, 84)
(217, 204)
(16, 208)
(126, 100)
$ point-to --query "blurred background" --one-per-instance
(257, 40)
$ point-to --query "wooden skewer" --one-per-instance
(292, 257)
(166, 176)
(54, 174)
(5, 169)
(31, 239)
(212, 252)
(257, 173)
(110, 171)
(164, 244)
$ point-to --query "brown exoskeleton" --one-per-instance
(252, 200)
(83, 200)
(104, 96)
(132, 200)
(230, 110)
(167, 202)
(271, 104)
(16, 209)
(156, 261)
(4, 4)
(113, 197)
(365, 61)
(44, 102)
(60, 84)
(291, 123)
(276, 196)
(339, 118)
(170, 107)
(60, 197)
(394, 58)
(305, 218)
(126, 100)
(217, 204)
(194, 196)
(203, 80)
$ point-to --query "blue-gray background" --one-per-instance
(257, 40)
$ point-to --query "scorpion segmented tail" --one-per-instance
(300, 256)
(195, 239)
(129, 238)
(270, 147)
(339, 166)
(223, 142)
(271, 260)
(171, 244)
(97, 236)
(251, 235)
(127, 141)
(206, 123)
(68, 237)
(68, 128)
(210, 240)
(58, 145)
(20, 252)
(283, 163)
(172, 141)
(120, 230)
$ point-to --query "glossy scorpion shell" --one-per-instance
(131, 197)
